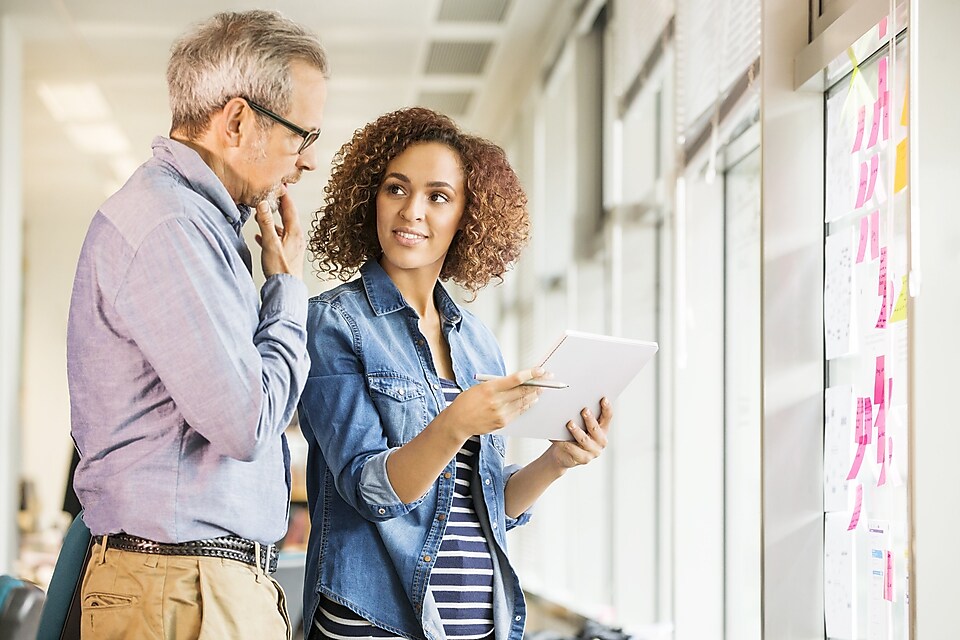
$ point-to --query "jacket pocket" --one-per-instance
(401, 402)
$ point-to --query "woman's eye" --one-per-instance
(394, 189)
(439, 197)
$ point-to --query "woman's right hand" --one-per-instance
(491, 405)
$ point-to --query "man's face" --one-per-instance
(270, 161)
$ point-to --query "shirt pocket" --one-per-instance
(401, 402)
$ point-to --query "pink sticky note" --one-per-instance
(888, 579)
(883, 27)
(857, 461)
(858, 435)
(858, 503)
(864, 176)
(879, 373)
(882, 318)
(861, 125)
(882, 75)
(877, 116)
(882, 479)
(874, 170)
(874, 226)
(864, 232)
(867, 421)
(881, 433)
(882, 285)
(886, 115)
(889, 391)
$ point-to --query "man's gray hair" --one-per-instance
(236, 54)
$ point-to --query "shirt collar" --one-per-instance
(384, 297)
(201, 177)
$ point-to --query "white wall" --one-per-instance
(935, 139)
(11, 221)
(792, 241)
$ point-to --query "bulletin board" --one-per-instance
(865, 498)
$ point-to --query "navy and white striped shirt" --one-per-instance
(461, 581)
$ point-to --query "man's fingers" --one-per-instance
(264, 218)
(288, 214)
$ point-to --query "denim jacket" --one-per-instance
(373, 387)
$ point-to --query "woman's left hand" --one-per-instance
(589, 440)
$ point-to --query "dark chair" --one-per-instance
(20, 604)
(60, 618)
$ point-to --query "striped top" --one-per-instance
(461, 581)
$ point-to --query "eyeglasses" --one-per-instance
(309, 137)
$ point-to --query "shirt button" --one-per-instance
(487, 481)
(494, 525)
(381, 511)
(517, 618)
(436, 386)
(443, 516)
(427, 558)
(447, 475)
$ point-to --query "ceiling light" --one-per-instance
(74, 102)
(98, 138)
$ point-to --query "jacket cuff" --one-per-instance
(378, 494)
(524, 517)
(284, 295)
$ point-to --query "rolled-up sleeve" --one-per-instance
(337, 408)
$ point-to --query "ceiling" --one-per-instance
(458, 56)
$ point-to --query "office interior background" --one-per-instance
(680, 158)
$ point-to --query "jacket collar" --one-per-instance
(201, 178)
(384, 297)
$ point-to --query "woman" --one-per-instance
(409, 497)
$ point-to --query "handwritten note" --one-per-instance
(877, 117)
(882, 28)
(867, 421)
(888, 583)
(900, 174)
(839, 335)
(857, 507)
(874, 170)
(878, 379)
(864, 234)
(874, 234)
(861, 125)
(857, 461)
(838, 446)
(886, 115)
(900, 306)
(864, 179)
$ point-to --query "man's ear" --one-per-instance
(236, 118)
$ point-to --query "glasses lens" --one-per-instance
(308, 140)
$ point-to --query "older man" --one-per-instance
(182, 380)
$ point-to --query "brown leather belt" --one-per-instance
(228, 547)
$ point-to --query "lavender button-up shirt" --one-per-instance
(181, 381)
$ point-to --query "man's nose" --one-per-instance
(307, 160)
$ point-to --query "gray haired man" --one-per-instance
(182, 378)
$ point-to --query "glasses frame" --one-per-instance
(309, 137)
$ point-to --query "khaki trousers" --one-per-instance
(137, 595)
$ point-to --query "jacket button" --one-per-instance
(447, 475)
(427, 558)
(517, 618)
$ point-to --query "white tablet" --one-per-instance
(593, 366)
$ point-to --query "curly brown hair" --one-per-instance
(495, 224)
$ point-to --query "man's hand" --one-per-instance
(283, 247)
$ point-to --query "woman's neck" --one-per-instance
(416, 287)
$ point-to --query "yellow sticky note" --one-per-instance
(904, 117)
(900, 177)
(900, 306)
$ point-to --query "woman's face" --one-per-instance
(419, 206)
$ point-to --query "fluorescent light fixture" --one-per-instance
(77, 102)
(100, 138)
